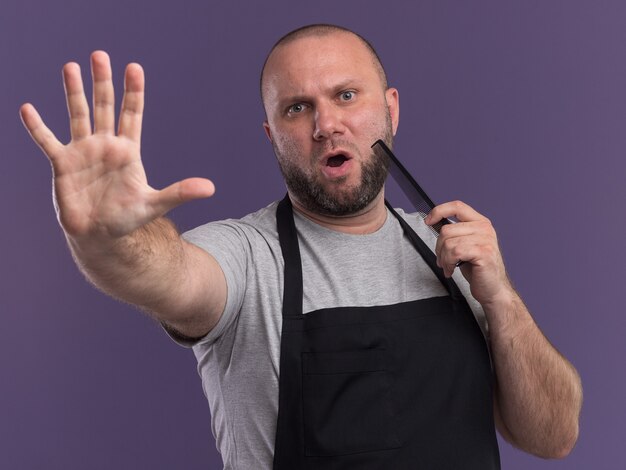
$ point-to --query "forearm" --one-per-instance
(538, 391)
(143, 268)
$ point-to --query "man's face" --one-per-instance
(326, 105)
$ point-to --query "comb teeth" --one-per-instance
(413, 192)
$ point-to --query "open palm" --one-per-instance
(100, 186)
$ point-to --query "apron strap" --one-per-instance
(288, 236)
(428, 255)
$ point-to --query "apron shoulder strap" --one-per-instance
(427, 254)
(288, 237)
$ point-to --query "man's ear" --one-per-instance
(393, 104)
(268, 132)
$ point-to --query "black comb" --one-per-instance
(413, 192)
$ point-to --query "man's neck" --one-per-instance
(368, 220)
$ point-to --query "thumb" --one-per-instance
(179, 193)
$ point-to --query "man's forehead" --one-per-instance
(303, 57)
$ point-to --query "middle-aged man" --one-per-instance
(330, 330)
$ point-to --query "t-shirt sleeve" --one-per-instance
(227, 242)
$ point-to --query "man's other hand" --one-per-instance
(100, 188)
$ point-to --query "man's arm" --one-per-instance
(154, 268)
(112, 219)
(538, 394)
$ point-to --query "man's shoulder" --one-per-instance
(416, 222)
(263, 218)
(262, 221)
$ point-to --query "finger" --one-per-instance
(457, 230)
(453, 252)
(42, 136)
(183, 191)
(481, 227)
(474, 249)
(77, 106)
(457, 209)
(131, 113)
(103, 95)
(454, 243)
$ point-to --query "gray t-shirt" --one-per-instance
(239, 359)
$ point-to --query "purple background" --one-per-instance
(518, 108)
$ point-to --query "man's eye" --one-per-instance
(296, 108)
(347, 95)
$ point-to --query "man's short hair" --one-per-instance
(324, 30)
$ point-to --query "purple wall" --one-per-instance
(518, 108)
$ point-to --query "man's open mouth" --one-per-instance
(336, 160)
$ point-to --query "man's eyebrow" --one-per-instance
(347, 83)
(344, 84)
(293, 99)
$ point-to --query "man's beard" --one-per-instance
(316, 198)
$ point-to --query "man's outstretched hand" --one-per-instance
(100, 186)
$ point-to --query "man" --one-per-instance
(328, 335)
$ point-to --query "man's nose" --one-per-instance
(328, 122)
